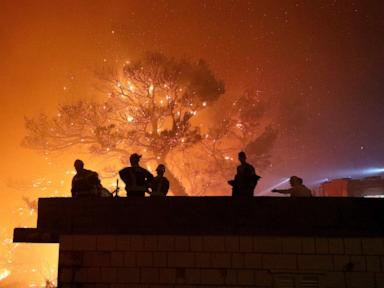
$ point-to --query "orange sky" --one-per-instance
(46, 46)
(49, 45)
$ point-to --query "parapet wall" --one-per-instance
(214, 242)
(207, 216)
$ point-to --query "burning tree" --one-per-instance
(241, 126)
(151, 107)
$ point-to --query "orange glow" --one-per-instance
(318, 69)
(4, 273)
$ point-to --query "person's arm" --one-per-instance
(166, 185)
(253, 171)
(73, 190)
(123, 174)
(231, 182)
(148, 175)
(96, 179)
(282, 191)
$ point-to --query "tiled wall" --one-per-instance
(117, 261)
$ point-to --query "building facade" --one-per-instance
(347, 187)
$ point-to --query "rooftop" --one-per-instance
(331, 217)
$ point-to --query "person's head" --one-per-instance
(160, 170)
(134, 159)
(242, 157)
(79, 165)
(294, 180)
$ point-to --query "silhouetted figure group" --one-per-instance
(138, 181)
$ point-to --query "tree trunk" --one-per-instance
(176, 186)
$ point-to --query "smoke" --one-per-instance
(357, 172)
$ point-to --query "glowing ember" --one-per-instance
(4, 273)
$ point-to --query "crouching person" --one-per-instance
(85, 183)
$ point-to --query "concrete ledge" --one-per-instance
(32, 235)
(269, 216)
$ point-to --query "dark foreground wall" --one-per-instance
(214, 242)
(207, 216)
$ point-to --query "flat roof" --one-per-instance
(279, 216)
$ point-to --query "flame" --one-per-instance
(4, 273)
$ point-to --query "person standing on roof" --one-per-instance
(160, 184)
(136, 178)
(246, 178)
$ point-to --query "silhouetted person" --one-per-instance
(104, 192)
(136, 178)
(159, 184)
(85, 183)
(297, 188)
(245, 179)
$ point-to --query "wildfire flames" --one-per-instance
(174, 112)
(4, 273)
